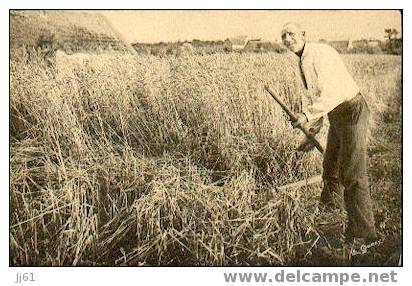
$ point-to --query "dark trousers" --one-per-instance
(345, 166)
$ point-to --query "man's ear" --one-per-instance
(303, 33)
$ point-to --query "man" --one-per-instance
(333, 92)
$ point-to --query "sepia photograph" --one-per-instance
(205, 138)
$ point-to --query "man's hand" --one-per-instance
(301, 120)
(314, 127)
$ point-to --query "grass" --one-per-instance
(139, 160)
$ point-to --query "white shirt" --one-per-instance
(327, 79)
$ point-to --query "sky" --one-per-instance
(169, 26)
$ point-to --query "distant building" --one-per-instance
(239, 43)
(356, 46)
(374, 43)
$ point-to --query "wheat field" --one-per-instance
(121, 159)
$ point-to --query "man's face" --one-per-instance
(293, 38)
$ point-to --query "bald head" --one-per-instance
(293, 37)
(292, 27)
